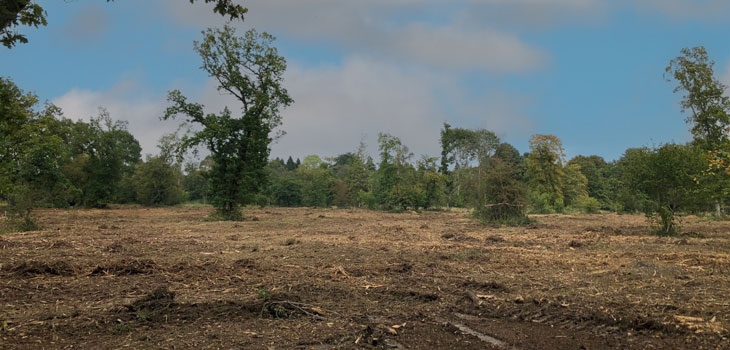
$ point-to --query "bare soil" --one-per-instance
(348, 279)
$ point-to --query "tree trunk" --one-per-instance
(718, 208)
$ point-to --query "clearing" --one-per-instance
(345, 279)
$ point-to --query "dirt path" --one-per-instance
(344, 279)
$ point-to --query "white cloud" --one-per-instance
(125, 102)
(337, 107)
(459, 48)
(378, 28)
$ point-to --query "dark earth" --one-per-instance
(354, 279)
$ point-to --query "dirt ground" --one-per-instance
(348, 279)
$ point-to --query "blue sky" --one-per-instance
(587, 71)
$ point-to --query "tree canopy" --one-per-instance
(703, 97)
(250, 69)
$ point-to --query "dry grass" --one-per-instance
(305, 278)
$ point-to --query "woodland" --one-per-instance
(48, 159)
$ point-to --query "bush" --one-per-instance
(367, 199)
(663, 221)
(502, 214)
(588, 205)
(541, 203)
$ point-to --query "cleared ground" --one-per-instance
(323, 279)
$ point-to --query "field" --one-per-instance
(348, 279)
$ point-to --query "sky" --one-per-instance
(590, 72)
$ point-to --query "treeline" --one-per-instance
(48, 160)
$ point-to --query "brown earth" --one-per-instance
(345, 279)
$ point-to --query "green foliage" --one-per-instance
(158, 182)
(291, 165)
(599, 174)
(398, 186)
(708, 106)
(226, 8)
(31, 156)
(433, 186)
(587, 205)
(703, 96)
(250, 69)
(664, 179)
(358, 178)
(340, 194)
(367, 199)
(16, 109)
(504, 200)
(545, 173)
(195, 182)
(285, 190)
(316, 181)
(465, 151)
(575, 184)
(15, 13)
(109, 154)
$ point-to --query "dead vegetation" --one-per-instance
(319, 279)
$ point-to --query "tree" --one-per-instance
(16, 109)
(596, 170)
(158, 182)
(358, 178)
(432, 182)
(665, 180)
(32, 154)
(15, 13)
(316, 182)
(504, 194)
(465, 151)
(196, 180)
(545, 173)
(575, 185)
(250, 69)
(110, 155)
(704, 97)
(35, 177)
(285, 189)
(396, 185)
(290, 164)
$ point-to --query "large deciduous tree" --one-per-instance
(250, 69)
(708, 106)
(703, 97)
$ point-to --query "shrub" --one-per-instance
(588, 205)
